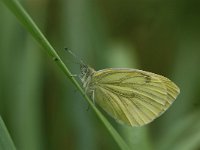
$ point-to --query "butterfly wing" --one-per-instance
(131, 96)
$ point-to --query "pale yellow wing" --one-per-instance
(131, 96)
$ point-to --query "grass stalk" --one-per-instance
(6, 142)
(15, 7)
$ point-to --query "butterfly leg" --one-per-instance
(93, 97)
(73, 75)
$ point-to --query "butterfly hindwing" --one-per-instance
(131, 96)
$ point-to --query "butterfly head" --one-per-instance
(86, 74)
(84, 69)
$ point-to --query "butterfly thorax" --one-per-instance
(86, 76)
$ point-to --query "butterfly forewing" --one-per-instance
(131, 96)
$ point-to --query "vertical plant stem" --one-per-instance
(29, 24)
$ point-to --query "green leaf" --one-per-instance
(6, 142)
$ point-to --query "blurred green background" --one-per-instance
(41, 107)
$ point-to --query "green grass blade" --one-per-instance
(6, 142)
(185, 134)
(29, 24)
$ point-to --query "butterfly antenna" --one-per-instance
(80, 61)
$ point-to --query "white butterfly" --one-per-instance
(133, 97)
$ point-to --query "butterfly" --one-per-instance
(131, 96)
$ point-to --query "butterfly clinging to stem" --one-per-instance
(131, 96)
